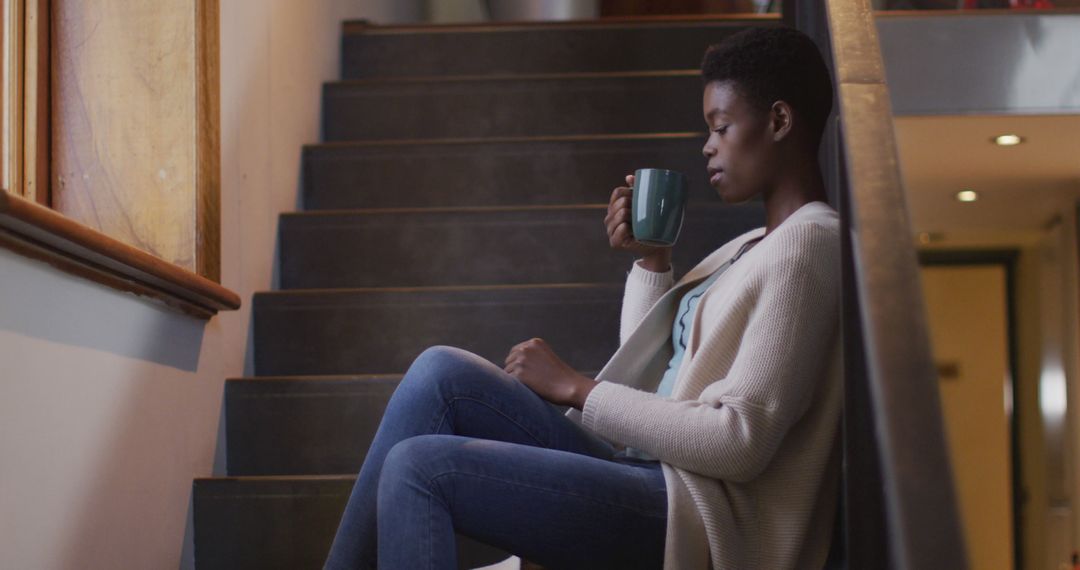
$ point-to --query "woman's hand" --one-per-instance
(536, 365)
(620, 233)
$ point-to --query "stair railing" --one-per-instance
(898, 506)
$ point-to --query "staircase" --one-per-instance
(458, 199)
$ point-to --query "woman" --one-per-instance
(709, 438)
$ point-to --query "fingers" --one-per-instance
(619, 192)
(515, 361)
(620, 200)
(522, 349)
(514, 354)
(621, 235)
(616, 222)
(623, 190)
(618, 212)
(618, 216)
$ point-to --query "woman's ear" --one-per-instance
(781, 120)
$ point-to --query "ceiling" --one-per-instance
(1022, 188)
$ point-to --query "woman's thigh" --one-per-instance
(448, 390)
(557, 508)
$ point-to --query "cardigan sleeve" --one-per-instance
(780, 358)
(643, 289)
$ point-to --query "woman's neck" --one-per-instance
(795, 189)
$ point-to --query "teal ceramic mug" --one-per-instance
(658, 205)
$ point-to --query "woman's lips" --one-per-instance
(716, 178)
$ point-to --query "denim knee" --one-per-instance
(416, 460)
(439, 357)
(442, 366)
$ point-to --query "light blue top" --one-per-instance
(680, 335)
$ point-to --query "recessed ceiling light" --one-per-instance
(967, 195)
(1008, 140)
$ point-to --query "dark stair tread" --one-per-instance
(282, 522)
(267, 522)
(381, 330)
(305, 425)
(316, 297)
(599, 44)
(364, 26)
(492, 171)
(475, 246)
(258, 485)
(541, 104)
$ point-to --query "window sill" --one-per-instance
(41, 233)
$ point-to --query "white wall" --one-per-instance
(110, 405)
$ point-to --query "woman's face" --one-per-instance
(738, 149)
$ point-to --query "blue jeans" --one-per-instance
(465, 447)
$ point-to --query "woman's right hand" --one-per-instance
(620, 235)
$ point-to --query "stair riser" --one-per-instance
(382, 332)
(282, 524)
(548, 50)
(303, 427)
(481, 247)
(491, 174)
(512, 107)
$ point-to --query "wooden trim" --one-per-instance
(366, 27)
(207, 141)
(41, 233)
(11, 115)
(36, 75)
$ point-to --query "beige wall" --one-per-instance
(110, 406)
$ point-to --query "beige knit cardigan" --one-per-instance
(748, 439)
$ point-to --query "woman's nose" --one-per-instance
(707, 151)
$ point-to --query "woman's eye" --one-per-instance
(720, 130)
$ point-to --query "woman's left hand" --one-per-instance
(536, 365)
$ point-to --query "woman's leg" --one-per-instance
(560, 509)
(451, 391)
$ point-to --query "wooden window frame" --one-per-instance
(30, 227)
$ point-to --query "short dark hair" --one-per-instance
(766, 65)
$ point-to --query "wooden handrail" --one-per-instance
(901, 507)
(41, 233)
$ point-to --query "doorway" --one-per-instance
(970, 310)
